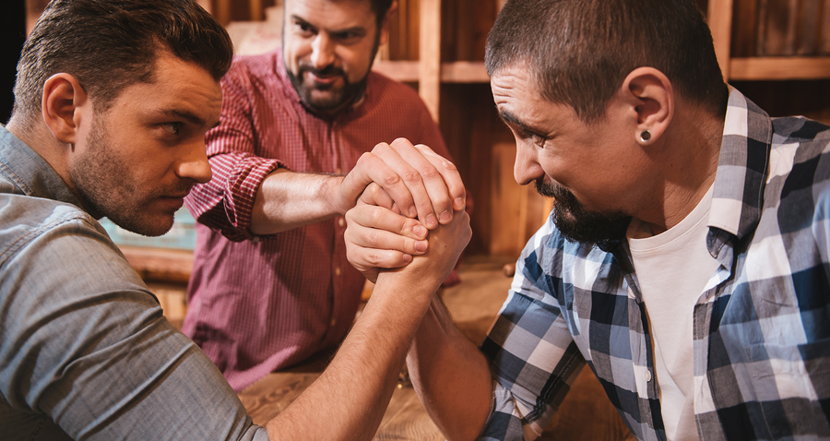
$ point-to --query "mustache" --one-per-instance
(327, 71)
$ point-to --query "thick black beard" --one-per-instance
(352, 92)
(577, 223)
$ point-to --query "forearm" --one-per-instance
(348, 401)
(450, 375)
(287, 200)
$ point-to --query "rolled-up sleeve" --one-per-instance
(226, 202)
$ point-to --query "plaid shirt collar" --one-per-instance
(742, 167)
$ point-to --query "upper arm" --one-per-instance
(85, 344)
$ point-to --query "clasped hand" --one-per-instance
(408, 191)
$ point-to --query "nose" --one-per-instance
(526, 169)
(322, 51)
(195, 164)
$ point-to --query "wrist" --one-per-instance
(332, 193)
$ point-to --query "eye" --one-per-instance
(304, 29)
(538, 140)
(347, 37)
(173, 128)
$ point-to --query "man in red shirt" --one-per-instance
(271, 285)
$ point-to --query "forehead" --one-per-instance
(331, 13)
(175, 84)
(516, 95)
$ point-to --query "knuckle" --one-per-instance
(391, 179)
(411, 176)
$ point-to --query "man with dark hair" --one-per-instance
(271, 285)
(686, 258)
(113, 99)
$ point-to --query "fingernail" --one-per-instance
(421, 246)
(430, 221)
(445, 217)
(419, 230)
(460, 203)
(407, 258)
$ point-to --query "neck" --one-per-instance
(689, 159)
(40, 139)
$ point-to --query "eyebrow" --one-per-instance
(355, 29)
(513, 120)
(188, 116)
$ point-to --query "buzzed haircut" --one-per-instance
(580, 51)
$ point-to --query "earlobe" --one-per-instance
(652, 99)
(62, 99)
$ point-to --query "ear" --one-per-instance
(649, 92)
(384, 26)
(63, 98)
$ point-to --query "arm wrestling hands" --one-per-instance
(356, 386)
(449, 373)
(419, 182)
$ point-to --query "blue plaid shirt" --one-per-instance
(761, 326)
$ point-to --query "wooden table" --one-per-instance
(586, 414)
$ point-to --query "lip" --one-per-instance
(173, 201)
(323, 80)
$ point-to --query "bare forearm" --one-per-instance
(348, 401)
(451, 376)
(287, 200)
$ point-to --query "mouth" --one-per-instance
(173, 201)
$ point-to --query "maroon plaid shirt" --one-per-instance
(259, 304)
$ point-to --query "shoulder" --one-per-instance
(42, 238)
(252, 68)
(392, 91)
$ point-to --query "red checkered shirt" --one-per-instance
(259, 304)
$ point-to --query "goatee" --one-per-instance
(577, 223)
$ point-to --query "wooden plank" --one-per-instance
(452, 72)
(160, 264)
(464, 72)
(257, 12)
(720, 24)
(508, 224)
(779, 68)
(405, 71)
(429, 83)
(744, 28)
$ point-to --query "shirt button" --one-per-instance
(342, 222)
(337, 271)
(333, 322)
(648, 375)
(338, 171)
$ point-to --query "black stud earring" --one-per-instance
(645, 135)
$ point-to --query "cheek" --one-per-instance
(356, 63)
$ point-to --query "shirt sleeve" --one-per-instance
(226, 202)
(86, 348)
(532, 355)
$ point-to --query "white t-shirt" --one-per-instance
(672, 269)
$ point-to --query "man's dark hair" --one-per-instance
(111, 44)
(580, 51)
(381, 7)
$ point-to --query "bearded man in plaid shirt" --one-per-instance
(686, 258)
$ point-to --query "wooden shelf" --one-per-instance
(719, 17)
(779, 68)
(453, 72)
